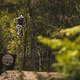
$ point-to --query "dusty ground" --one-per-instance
(25, 75)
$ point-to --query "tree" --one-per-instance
(41, 18)
(66, 50)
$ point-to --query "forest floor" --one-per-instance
(29, 75)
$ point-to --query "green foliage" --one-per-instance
(46, 14)
(67, 52)
(57, 43)
(71, 31)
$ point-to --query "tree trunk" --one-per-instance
(30, 6)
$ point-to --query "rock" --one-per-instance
(29, 75)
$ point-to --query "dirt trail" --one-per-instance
(29, 75)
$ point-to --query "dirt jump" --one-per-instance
(29, 75)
